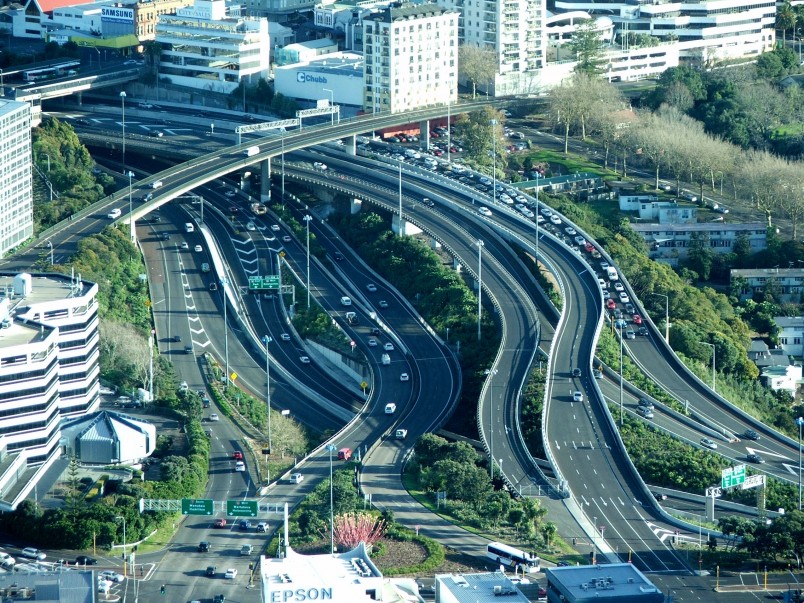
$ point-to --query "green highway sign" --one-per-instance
(732, 476)
(197, 506)
(241, 508)
(262, 283)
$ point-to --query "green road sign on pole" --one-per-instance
(262, 283)
(196, 506)
(241, 508)
(732, 476)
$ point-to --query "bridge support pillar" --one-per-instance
(80, 98)
(424, 135)
(351, 147)
(265, 180)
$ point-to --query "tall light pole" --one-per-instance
(307, 219)
(621, 377)
(125, 560)
(666, 316)
(711, 345)
(224, 283)
(400, 199)
(3, 88)
(283, 165)
(331, 449)
(49, 244)
(799, 422)
(123, 105)
(449, 129)
(494, 160)
(490, 374)
(131, 207)
(331, 105)
(266, 340)
(537, 223)
(479, 284)
(48, 162)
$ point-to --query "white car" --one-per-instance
(624, 297)
(296, 478)
(284, 337)
(275, 227)
(251, 226)
(390, 408)
(240, 466)
(346, 301)
(371, 287)
(570, 231)
(7, 560)
(404, 377)
(230, 574)
(707, 443)
(304, 359)
(577, 397)
(579, 240)
(114, 214)
(555, 220)
(320, 166)
(546, 212)
(111, 576)
(372, 342)
(484, 211)
(33, 553)
(214, 417)
(198, 248)
(618, 286)
(388, 347)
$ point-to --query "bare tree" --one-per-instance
(477, 65)
(125, 350)
(760, 180)
(791, 180)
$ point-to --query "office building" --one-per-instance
(411, 57)
(203, 48)
(49, 367)
(16, 204)
(613, 582)
(477, 588)
(336, 78)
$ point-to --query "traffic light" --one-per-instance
(162, 589)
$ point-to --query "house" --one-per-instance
(786, 378)
(791, 335)
(787, 284)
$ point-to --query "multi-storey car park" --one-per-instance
(49, 368)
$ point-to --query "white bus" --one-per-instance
(508, 555)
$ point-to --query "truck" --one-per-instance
(611, 272)
(251, 151)
(258, 209)
(386, 359)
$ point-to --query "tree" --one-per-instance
(548, 530)
(350, 529)
(785, 19)
(587, 46)
(478, 65)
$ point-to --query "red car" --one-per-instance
(611, 304)
(637, 319)
(237, 455)
(220, 523)
(589, 248)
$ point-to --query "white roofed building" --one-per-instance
(109, 437)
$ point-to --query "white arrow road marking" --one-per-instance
(247, 243)
(197, 331)
(255, 271)
(202, 345)
(242, 261)
(791, 468)
(177, 130)
(193, 318)
(766, 453)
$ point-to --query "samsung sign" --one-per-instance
(111, 14)
(301, 594)
(309, 78)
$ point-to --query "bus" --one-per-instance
(508, 555)
(51, 71)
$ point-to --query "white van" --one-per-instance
(346, 301)
(390, 408)
(188, 227)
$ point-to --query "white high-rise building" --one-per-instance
(16, 199)
(411, 57)
(513, 30)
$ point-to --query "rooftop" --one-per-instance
(295, 569)
(481, 588)
(335, 63)
(701, 227)
(789, 321)
(612, 582)
(767, 272)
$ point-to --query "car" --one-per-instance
(338, 256)
(230, 194)
(346, 301)
(156, 134)
(80, 560)
(637, 319)
(240, 466)
(30, 552)
(659, 496)
(611, 304)
(401, 434)
(382, 304)
(645, 403)
(546, 212)
(262, 526)
(484, 211)
(296, 478)
(620, 323)
(220, 523)
(204, 546)
(104, 586)
(214, 417)
(618, 286)
(629, 334)
(624, 297)
(555, 220)
(188, 349)
(112, 576)
(604, 266)
(244, 524)
(390, 408)
(275, 227)
(230, 574)
(304, 359)
(750, 434)
(213, 286)
(570, 231)
(133, 62)
(707, 443)
(183, 385)
(286, 239)
(576, 372)
(372, 342)
(198, 248)
(251, 226)
(404, 377)
(320, 166)
(630, 309)
(284, 337)
(220, 598)
(237, 455)
(579, 240)
(165, 236)
(371, 287)
(246, 550)
(184, 246)
(114, 214)
(643, 330)
(577, 396)
(645, 412)
(211, 571)
(597, 374)
(754, 458)
(388, 347)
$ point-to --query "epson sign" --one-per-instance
(309, 78)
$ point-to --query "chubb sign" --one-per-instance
(310, 78)
(301, 594)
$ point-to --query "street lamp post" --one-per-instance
(49, 244)
(537, 222)
(131, 206)
(307, 219)
(224, 283)
(331, 449)
(621, 377)
(666, 316)
(283, 165)
(125, 561)
(711, 345)
(123, 105)
(268, 340)
(494, 160)
(48, 162)
(479, 284)
(799, 422)
(449, 129)
(490, 374)
(3, 87)
(331, 105)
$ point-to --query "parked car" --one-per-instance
(112, 576)
(30, 552)
(80, 560)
